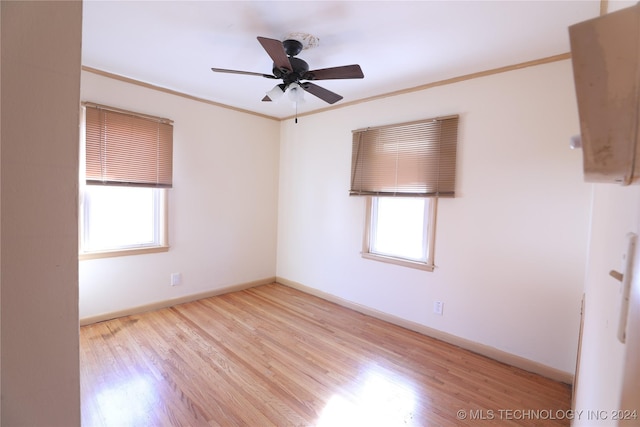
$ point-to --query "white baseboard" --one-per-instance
(174, 301)
(485, 350)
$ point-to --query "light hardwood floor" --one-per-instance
(275, 356)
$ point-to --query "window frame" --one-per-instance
(430, 213)
(161, 216)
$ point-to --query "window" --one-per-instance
(123, 218)
(403, 170)
(126, 170)
(400, 230)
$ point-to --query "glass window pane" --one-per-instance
(398, 227)
(121, 217)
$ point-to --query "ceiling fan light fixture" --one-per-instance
(275, 93)
(295, 93)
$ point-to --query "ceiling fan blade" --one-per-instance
(322, 93)
(344, 72)
(249, 73)
(276, 51)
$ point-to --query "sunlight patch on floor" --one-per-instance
(129, 403)
(382, 400)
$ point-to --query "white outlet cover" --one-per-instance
(438, 306)
(176, 279)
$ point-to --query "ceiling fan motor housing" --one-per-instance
(300, 68)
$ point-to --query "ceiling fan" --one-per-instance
(295, 72)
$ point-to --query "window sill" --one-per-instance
(122, 252)
(398, 261)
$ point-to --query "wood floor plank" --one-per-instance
(275, 356)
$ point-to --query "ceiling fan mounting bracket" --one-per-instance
(292, 47)
(308, 41)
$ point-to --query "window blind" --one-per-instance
(124, 148)
(416, 159)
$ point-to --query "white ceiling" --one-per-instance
(398, 44)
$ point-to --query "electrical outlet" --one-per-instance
(438, 306)
(176, 279)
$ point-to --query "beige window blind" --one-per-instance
(124, 148)
(416, 159)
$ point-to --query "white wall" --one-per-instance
(39, 229)
(510, 248)
(222, 208)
